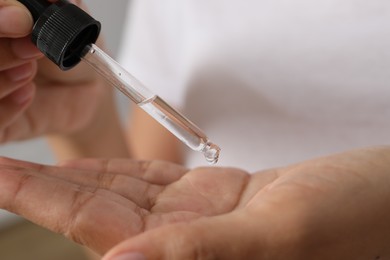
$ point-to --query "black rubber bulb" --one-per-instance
(61, 30)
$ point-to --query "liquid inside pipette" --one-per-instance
(171, 119)
(181, 127)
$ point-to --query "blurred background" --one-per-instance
(20, 239)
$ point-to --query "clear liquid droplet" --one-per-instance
(211, 153)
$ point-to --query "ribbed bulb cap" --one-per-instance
(62, 31)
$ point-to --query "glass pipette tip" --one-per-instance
(156, 107)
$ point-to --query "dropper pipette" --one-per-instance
(171, 119)
(66, 35)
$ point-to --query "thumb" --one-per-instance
(15, 19)
(222, 237)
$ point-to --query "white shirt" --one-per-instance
(272, 82)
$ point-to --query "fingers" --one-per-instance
(12, 106)
(15, 52)
(154, 172)
(225, 237)
(16, 93)
(81, 213)
(16, 87)
(139, 181)
(16, 76)
(12, 79)
(123, 177)
(15, 20)
(16, 66)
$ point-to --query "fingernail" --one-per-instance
(25, 49)
(20, 73)
(14, 20)
(130, 256)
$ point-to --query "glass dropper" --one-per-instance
(156, 107)
(66, 34)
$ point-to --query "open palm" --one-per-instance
(102, 202)
(322, 209)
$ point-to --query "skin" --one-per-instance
(334, 207)
(79, 106)
(18, 52)
(328, 208)
(72, 109)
